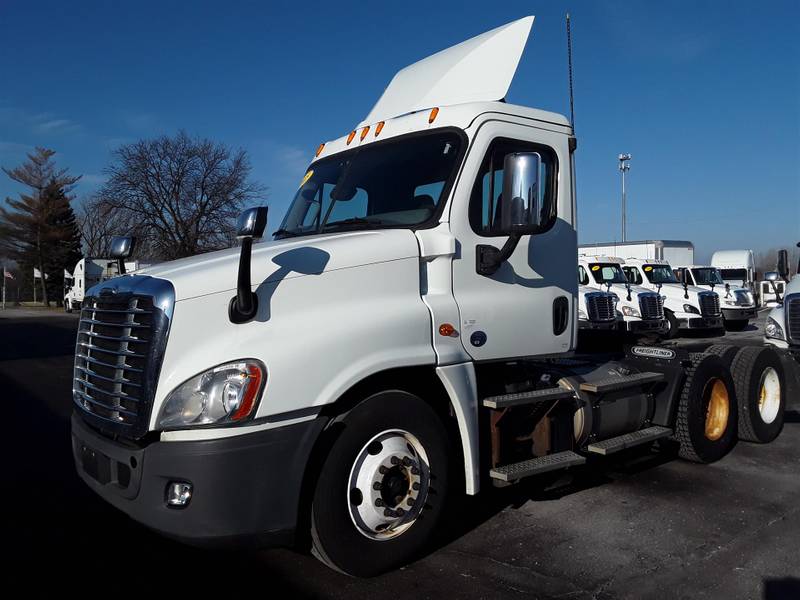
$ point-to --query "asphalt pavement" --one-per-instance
(643, 525)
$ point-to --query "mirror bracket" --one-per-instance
(244, 305)
(488, 258)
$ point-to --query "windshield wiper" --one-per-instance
(352, 221)
(285, 233)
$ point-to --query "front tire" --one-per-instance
(761, 389)
(382, 487)
(672, 325)
(706, 427)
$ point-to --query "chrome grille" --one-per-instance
(792, 311)
(651, 305)
(600, 306)
(118, 352)
(709, 304)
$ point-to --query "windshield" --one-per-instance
(734, 274)
(707, 277)
(659, 274)
(398, 183)
(607, 273)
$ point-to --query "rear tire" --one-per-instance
(365, 473)
(672, 325)
(761, 389)
(739, 325)
(725, 351)
(706, 426)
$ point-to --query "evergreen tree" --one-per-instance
(38, 224)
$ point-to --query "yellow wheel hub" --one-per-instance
(718, 411)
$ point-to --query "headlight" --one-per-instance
(630, 311)
(773, 330)
(691, 309)
(225, 394)
(731, 302)
(582, 315)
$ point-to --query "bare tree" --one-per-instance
(180, 194)
(99, 222)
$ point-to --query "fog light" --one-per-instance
(179, 493)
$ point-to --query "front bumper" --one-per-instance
(739, 314)
(643, 325)
(699, 322)
(586, 325)
(246, 488)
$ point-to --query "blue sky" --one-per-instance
(704, 95)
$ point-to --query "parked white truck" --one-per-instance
(783, 322)
(87, 273)
(685, 306)
(641, 310)
(408, 336)
(738, 269)
(738, 304)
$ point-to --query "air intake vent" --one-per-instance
(651, 305)
(709, 304)
(600, 307)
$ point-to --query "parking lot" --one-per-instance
(640, 526)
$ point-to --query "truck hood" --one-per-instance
(284, 259)
(675, 293)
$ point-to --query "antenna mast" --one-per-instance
(569, 60)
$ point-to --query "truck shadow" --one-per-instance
(303, 261)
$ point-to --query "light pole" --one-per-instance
(623, 167)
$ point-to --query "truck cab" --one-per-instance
(737, 303)
(409, 335)
(641, 310)
(782, 329)
(685, 306)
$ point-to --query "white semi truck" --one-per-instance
(685, 306)
(738, 269)
(641, 311)
(407, 337)
(738, 304)
(89, 272)
(782, 329)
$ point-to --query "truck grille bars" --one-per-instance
(792, 309)
(709, 304)
(600, 307)
(118, 352)
(651, 305)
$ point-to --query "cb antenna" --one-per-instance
(569, 60)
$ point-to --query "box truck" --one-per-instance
(409, 336)
(672, 251)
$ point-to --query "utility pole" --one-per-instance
(624, 166)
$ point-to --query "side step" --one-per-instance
(615, 444)
(613, 384)
(532, 397)
(536, 466)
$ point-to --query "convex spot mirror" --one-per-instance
(523, 207)
(252, 222)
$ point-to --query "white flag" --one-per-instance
(37, 274)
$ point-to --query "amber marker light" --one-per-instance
(447, 330)
(319, 149)
(364, 132)
(351, 136)
(379, 128)
(432, 116)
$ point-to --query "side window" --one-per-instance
(488, 187)
(633, 275)
(583, 276)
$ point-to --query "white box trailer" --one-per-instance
(673, 251)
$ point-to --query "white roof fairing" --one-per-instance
(477, 70)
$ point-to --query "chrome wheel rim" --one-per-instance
(388, 485)
(769, 395)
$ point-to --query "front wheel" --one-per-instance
(671, 331)
(382, 487)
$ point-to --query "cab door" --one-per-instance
(526, 307)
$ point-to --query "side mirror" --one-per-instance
(522, 209)
(783, 264)
(727, 290)
(771, 276)
(121, 248)
(244, 305)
